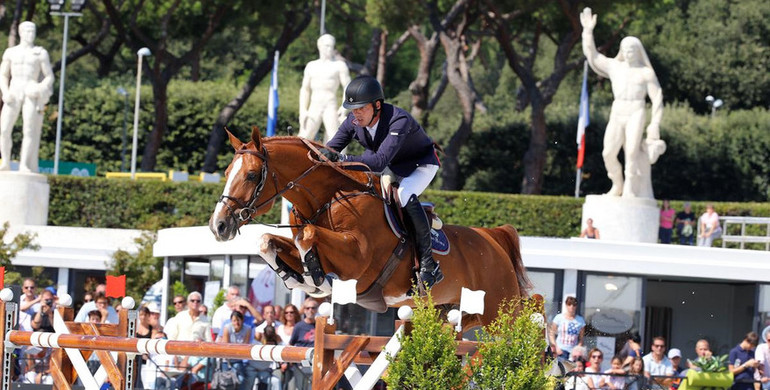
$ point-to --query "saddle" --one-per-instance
(372, 298)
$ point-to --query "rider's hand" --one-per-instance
(329, 154)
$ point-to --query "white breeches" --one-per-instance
(417, 182)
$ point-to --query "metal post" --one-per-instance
(323, 17)
(124, 137)
(61, 93)
(136, 116)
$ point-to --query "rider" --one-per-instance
(394, 140)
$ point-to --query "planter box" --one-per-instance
(704, 380)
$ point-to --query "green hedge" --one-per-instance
(99, 202)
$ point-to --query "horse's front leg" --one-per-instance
(328, 243)
(283, 257)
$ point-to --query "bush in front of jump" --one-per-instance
(427, 358)
(511, 349)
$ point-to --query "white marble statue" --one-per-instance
(26, 81)
(633, 79)
(318, 99)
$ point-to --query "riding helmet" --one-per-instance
(362, 91)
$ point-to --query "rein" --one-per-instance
(245, 211)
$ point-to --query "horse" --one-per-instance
(338, 219)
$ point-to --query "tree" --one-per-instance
(295, 18)
(519, 32)
(167, 28)
(10, 248)
(142, 270)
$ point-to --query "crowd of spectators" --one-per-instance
(705, 229)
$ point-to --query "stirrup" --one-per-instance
(425, 280)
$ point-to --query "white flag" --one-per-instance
(344, 291)
(472, 302)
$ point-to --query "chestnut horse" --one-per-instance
(339, 217)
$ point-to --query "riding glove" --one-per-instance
(330, 154)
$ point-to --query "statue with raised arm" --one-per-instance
(318, 99)
(632, 79)
(26, 82)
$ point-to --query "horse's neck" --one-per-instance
(309, 193)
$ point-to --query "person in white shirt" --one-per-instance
(29, 304)
(268, 313)
(762, 355)
(223, 312)
(112, 314)
(189, 323)
(656, 363)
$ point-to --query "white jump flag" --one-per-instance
(472, 302)
(344, 291)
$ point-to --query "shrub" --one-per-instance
(427, 358)
(511, 349)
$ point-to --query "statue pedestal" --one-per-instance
(23, 198)
(623, 218)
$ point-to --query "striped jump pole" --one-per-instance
(268, 353)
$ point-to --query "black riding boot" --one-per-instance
(430, 273)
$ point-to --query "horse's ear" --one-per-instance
(233, 139)
(256, 137)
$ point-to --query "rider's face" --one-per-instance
(364, 115)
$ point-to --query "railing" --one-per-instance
(750, 235)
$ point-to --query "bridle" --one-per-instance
(245, 210)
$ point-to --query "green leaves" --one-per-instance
(511, 349)
(427, 358)
(711, 364)
(20, 242)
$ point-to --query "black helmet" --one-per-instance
(362, 91)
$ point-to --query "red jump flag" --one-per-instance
(116, 286)
(2, 277)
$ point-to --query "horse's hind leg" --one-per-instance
(270, 248)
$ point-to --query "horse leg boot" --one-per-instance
(430, 273)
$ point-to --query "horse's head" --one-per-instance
(246, 178)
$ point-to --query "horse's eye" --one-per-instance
(251, 176)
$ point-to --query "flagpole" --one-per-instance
(582, 124)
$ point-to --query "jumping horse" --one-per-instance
(339, 220)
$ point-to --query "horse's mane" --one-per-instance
(361, 176)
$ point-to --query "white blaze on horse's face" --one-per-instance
(223, 227)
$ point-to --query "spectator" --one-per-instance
(204, 310)
(594, 367)
(103, 305)
(637, 379)
(762, 356)
(223, 312)
(43, 319)
(656, 363)
(289, 319)
(578, 352)
(616, 375)
(631, 349)
(702, 350)
(88, 297)
(144, 327)
(236, 332)
(675, 355)
(590, 231)
(268, 313)
(189, 323)
(666, 228)
(567, 330)
(577, 380)
(268, 373)
(180, 305)
(244, 307)
(39, 371)
(29, 304)
(710, 229)
(195, 364)
(302, 336)
(82, 316)
(742, 364)
(685, 225)
(95, 317)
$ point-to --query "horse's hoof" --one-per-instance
(318, 293)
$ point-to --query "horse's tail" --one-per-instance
(508, 237)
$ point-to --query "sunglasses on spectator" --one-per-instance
(194, 300)
(29, 287)
(659, 345)
(179, 302)
(311, 307)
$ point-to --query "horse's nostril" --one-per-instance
(221, 228)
